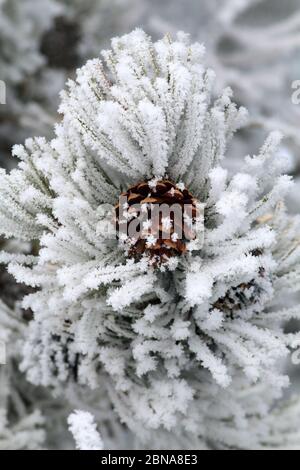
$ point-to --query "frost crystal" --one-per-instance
(83, 428)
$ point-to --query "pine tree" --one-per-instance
(186, 337)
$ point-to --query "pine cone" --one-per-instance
(159, 238)
(243, 295)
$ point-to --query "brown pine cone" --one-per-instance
(159, 237)
(243, 295)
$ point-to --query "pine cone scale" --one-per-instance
(163, 239)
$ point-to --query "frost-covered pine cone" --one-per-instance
(159, 336)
